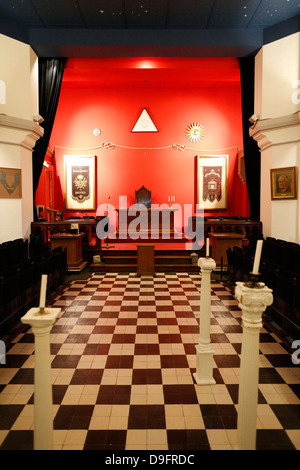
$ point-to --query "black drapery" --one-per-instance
(251, 149)
(50, 79)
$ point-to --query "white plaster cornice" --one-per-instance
(278, 122)
(276, 131)
(18, 131)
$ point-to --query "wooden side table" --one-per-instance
(145, 259)
(73, 243)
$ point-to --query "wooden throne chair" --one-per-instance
(143, 197)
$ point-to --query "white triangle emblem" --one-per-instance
(144, 123)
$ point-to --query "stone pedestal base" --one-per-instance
(204, 353)
(204, 366)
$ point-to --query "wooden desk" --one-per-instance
(220, 242)
(73, 243)
(87, 226)
(145, 259)
(247, 227)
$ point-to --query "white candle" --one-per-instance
(257, 257)
(207, 247)
(169, 198)
(43, 291)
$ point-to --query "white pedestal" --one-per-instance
(204, 353)
(253, 302)
(43, 410)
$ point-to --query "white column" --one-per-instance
(204, 353)
(43, 410)
(253, 302)
(277, 132)
(17, 139)
(279, 142)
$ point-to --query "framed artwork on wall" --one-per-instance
(283, 183)
(144, 123)
(40, 212)
(10, 183)
(212, 176)
(79, 191)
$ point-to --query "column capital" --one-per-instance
(253, 302)
(41, 322)
(207, 264)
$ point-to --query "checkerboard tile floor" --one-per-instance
(123, 357)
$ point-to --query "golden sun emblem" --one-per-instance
(195, 132)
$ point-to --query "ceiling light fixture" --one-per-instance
(146, 64)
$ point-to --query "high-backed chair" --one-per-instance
(143, 197)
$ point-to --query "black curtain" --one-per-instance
(50, 79)
(251, 149)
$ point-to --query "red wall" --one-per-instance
(46, 186)
(92, 96)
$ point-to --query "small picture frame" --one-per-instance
(41, 212)
(283, 183)
(10, 183)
